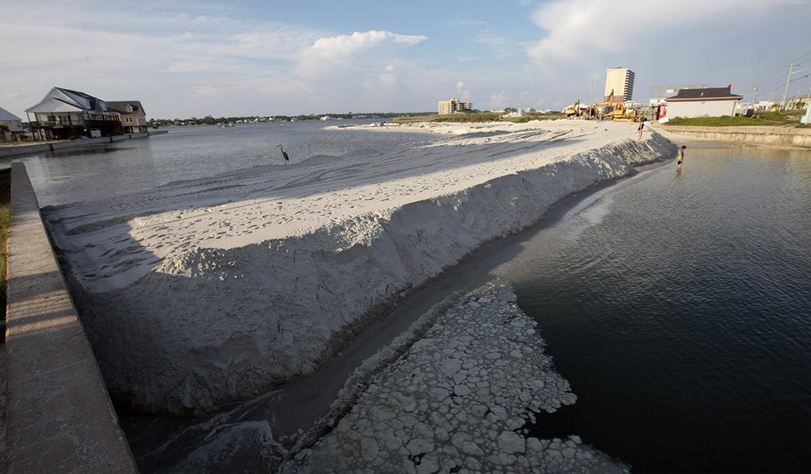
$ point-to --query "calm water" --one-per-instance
(679, 307)
(195, 152)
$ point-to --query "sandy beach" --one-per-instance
(206, 291)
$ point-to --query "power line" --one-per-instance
(800, 56)
(773, 78)
(781, 85)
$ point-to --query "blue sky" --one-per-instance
(184, 58)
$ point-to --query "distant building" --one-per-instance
(620, 82)
(445, 107)
(65, 113)
(703, 102)
(133, 116)
(516, 113)
(10, 125)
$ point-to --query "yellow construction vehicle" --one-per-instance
(622, 114)
(573, 110)
(617, 112)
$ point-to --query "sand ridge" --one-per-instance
(125, 237)
(206, 291)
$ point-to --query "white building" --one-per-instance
(10, 124)
(620, 82)
(516, 113)
(705, 102)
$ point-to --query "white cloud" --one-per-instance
(388, 79)
(490, 39)
(462, 92)
(576, 27)
(331, 51)
(181, 64)
(469, 23)
(499, 100)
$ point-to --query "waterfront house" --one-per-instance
(65, 113)
(10, 125)
(133, 116)
(702, 102)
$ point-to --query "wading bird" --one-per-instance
(284, 154)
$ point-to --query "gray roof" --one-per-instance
(706, 93)
(60, 99)
(121, 105)
(86, 100)
(663, 91)
(6, 115)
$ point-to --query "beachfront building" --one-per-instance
(454, 105)
(133, 116)
(620, 82)
(10, 125)
(703, 102)
(65, 113)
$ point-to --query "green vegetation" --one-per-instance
(5, 219)
(470, 117)
(787, 118)
(461, 118)
(530, 117)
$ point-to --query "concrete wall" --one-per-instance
(778, 137)
(88, 143)
(707, 108)
(58, 416)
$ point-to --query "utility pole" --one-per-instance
(591, 93)
(785, 91)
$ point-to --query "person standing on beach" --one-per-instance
(640, 128)
(681, 157)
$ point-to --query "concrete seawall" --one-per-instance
(59, 417)
(776, 137)
(14, 151)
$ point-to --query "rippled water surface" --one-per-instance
(195, 152)
(679, 307)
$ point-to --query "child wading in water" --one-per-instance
(680, 157)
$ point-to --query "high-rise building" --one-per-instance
(620, 80)
(454, 105)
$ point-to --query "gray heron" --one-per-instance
(284, 154)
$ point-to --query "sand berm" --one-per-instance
(203, 292)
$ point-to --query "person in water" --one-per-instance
(681, 157)
(641, 128)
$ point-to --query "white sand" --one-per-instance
(205, 291)
(458, 398)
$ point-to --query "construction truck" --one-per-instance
(617, 112)
(623, 114)
(572, 110)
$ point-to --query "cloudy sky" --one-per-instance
(186, 58)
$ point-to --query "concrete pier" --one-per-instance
(59, 417)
